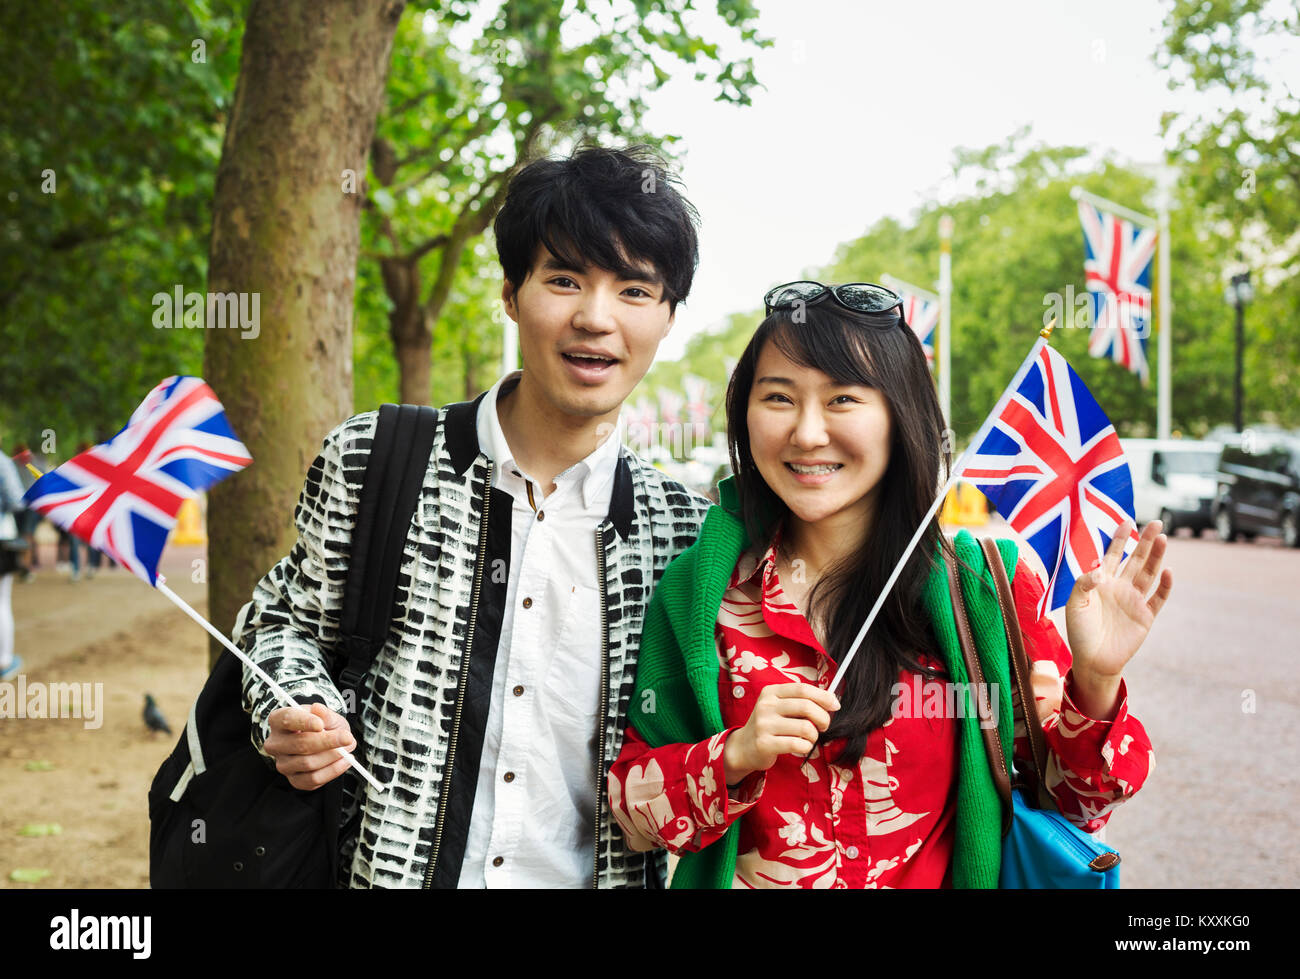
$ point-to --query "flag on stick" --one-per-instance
(1050, 461)
(122, 496)
(1051, 456)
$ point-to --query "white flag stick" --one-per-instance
(278, 690)
(934, 507)
(884, 592)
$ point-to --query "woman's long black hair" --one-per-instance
(878, 350)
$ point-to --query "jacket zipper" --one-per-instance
(464, 678)
(604, 703)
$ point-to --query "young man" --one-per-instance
(496, 707)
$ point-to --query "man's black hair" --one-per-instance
(603, 207)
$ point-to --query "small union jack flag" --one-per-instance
(1117, 260)
(122, 497)
(638, 423)
(645, 414)
(698, 409)
(922, 316)
(670, 406)
(1050, 461)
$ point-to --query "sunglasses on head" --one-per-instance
(860, 297)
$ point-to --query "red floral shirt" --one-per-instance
(887, 821)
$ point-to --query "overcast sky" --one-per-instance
(864, 103)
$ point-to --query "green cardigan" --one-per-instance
(676, 699)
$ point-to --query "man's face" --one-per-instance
(587, 335)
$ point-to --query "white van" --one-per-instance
(1173, 481)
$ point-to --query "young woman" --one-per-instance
(738, 757)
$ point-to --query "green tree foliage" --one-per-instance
(474, 92)
(1239, 151)
(126, 104)
(1240, 147)
(110, 137)
(1017, 245)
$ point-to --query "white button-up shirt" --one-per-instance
(534, 816)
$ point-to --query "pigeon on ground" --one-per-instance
(153, 718)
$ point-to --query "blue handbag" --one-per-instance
(1040, 847)
(1046, 850)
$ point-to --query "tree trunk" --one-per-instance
(408, 327)
(285, 229)
(471, 361)
(415, 358)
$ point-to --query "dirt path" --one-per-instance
(93, 780)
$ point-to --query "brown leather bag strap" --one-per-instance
(974, 673)
(1027, 707)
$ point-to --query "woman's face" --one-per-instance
(822, 446)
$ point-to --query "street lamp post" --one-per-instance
(1238, 294)
(945, 317)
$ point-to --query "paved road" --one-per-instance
(1217, 686)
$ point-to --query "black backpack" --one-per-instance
(220, 815)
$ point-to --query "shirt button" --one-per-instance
(851, 853)
(738, 691)
(518, 691)
(509, 776)
(541, 514)
(528, 603)
(498, 861)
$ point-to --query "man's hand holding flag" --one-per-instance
(122, 497)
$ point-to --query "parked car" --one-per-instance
(1174, 480)
(1259, 491)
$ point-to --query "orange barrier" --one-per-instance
(189, 525)
(964, 506)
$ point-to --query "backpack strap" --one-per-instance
(399, 458)
(395, 470)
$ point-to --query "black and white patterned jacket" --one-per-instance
(444, 640)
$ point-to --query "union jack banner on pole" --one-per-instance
(122, 496)
(1050, 461)
(670, 406)
(1117, 260)
(639, 424)
(698, 409)
(922, 316)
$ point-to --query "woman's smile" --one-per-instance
(814, 473)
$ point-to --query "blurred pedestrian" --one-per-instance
(28, 520)
(11, 547)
